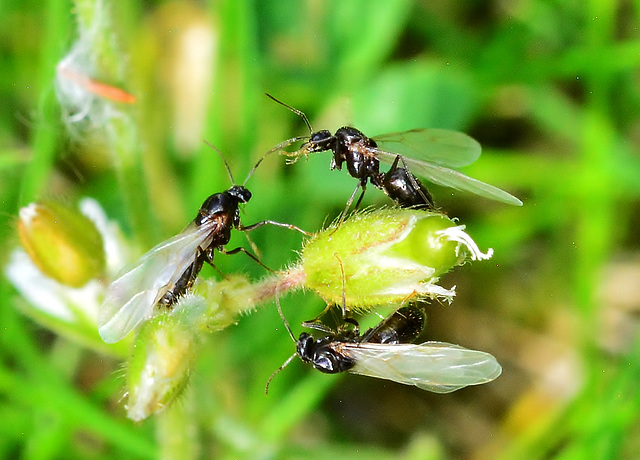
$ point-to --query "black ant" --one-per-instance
(426, 152)
(385, 352)
(169, 270)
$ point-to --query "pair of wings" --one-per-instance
(430, 153)
(433, 366)
(131, 298)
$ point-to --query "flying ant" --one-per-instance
(428, 153)
(384, 352)
(169, 269)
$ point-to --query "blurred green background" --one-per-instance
(549, 88)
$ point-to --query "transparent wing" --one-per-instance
(437, 146)
(130, 299)
(433, 366)
(451, 178)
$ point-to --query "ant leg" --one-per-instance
(350, 200)
(422, 190)
(254, 248)
(207, 256)
(360, 199)
(316, 324)
(241, 249)
(253, 227)
(271, 222)
(354, 323)
(344, 213)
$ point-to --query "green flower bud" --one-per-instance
(166, 345)
(163, 354)
(386, 256)
(62, 242)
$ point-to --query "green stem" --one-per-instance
(176, 430)
(47, 127)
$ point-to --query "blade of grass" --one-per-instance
(47, 128)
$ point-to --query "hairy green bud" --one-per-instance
(163, 354)
(386, 256)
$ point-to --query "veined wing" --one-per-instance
(451, 178)
(131, 298)
(433, 366)
(436, 146)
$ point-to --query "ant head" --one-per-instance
(241, 194)
(323, 354)
(319, 142)
(305, 348)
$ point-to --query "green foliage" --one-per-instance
(549, 89)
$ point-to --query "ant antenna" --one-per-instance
(294, 110)
(256, 166)
(282, 145)
(278, 148)
(224, 160)
(284, 320)
(285, 364)
(286, 324)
